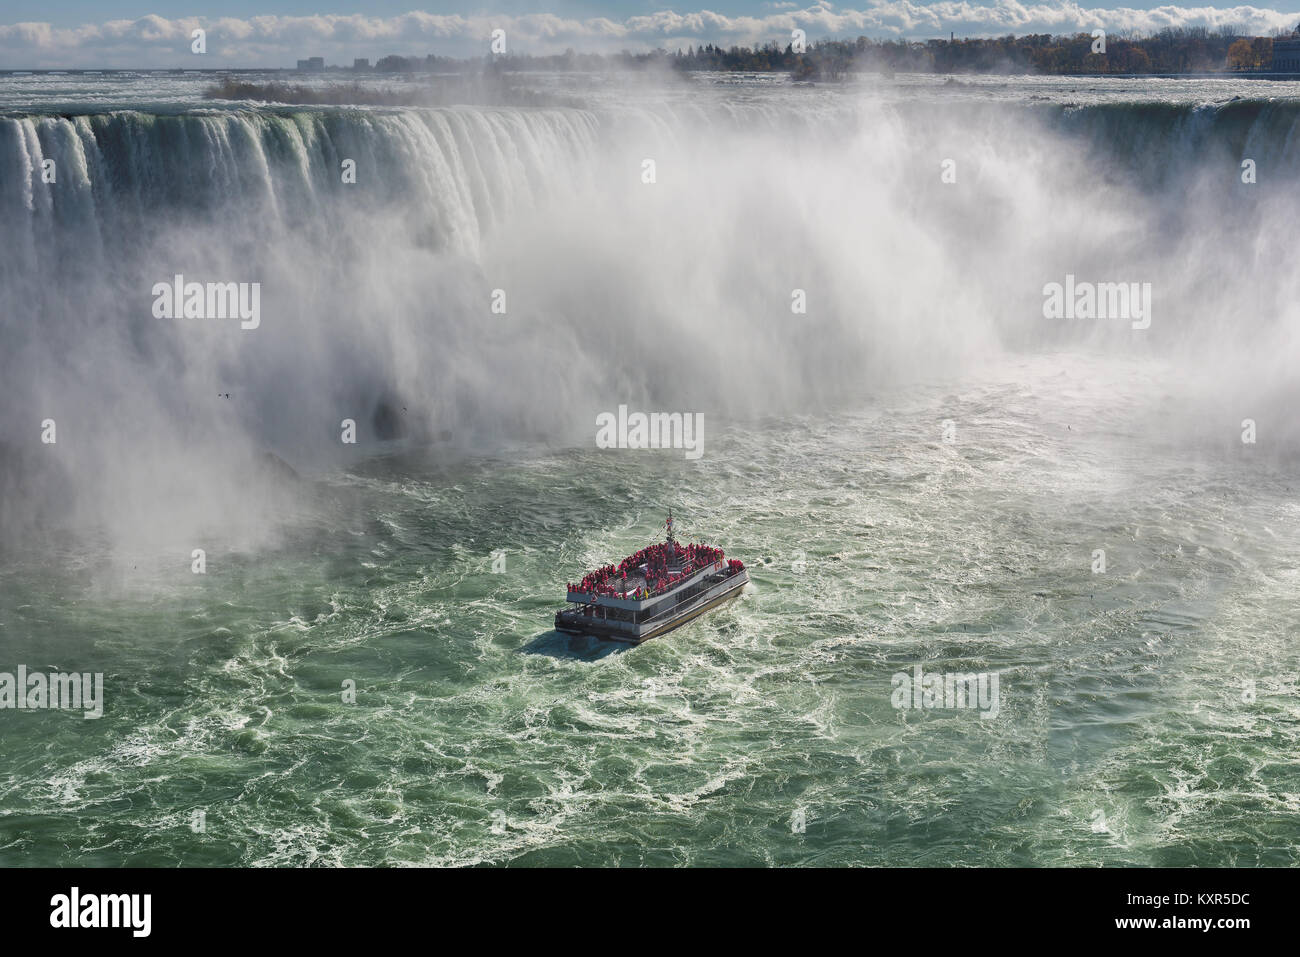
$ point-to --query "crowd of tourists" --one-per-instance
(663, 565)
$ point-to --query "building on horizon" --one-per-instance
(361, 63)
(313, 64)
(1286, 53)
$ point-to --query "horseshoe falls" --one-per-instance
(998, 386)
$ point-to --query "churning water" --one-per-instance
(919, 470)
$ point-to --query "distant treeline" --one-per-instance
(1172, 50)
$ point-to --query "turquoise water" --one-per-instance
(919, 471)
(762, 734)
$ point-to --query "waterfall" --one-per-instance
(496, 274)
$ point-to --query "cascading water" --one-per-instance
(919, 466)
(378, 293)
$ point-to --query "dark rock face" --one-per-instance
(388, 421)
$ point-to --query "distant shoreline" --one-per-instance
(343, 72)
(1171, 53)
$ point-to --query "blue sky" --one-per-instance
(128, 33)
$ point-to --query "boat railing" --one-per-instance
(712, 568)
(677, 607)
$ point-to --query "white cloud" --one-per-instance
(279, 40)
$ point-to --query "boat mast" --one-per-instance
(670, 525)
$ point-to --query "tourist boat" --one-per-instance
(652, 591)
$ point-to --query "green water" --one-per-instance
(761, 734)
